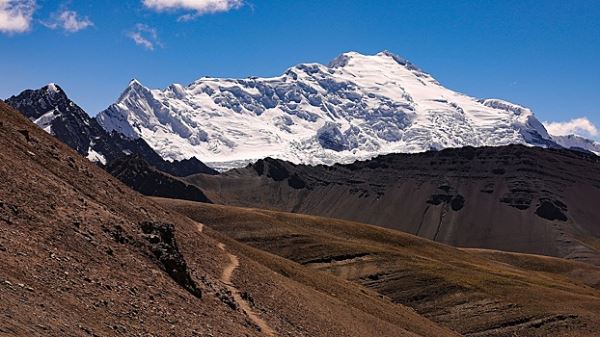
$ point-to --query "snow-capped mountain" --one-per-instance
(357, 107)
(575, 142)
(51, 109)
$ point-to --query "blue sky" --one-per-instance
(541, 54)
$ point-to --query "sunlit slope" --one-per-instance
(476, 293)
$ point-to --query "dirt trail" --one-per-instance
(233, 264)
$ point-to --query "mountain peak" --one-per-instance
(359, 107)
(134, 87)
(34, 103)
(52, 88)
(135, 84)
(576, 142)
(399, 59)
(345, 58)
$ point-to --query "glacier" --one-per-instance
(355, 108)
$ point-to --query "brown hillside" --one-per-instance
(474, 292)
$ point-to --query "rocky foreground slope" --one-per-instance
(83, 255)
(513, 198)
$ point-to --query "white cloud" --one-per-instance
(145, 36)
(69, 21)
(16, 15)
(198, 7)
(578, 126)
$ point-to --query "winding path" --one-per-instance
(226, 276)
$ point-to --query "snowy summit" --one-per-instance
(357, 107)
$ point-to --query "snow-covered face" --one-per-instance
(358, 107)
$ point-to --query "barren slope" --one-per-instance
(474, 292)
(83, 255)
(513, 198)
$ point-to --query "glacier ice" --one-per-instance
(357, 107)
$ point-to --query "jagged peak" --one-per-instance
(53, 88)
(577, 137)
(134, 82)
(134, 86)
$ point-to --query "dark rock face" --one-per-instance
(140, 176)
(279, 171)
(438, 199)
(296, 182)
(457, 203)
(51, 109)
(551, 211)
(184, 168)
(272, 168)
(447, 195)
(506, 198)
(161, 238)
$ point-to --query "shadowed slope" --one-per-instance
(513, 198)
(136, 173)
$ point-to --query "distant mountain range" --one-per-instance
(357, 107)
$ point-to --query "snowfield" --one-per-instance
(357, 107)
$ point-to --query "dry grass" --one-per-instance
(471, 291)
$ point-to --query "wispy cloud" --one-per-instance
(69, 21)
(197, 7)
(578, 126)
(16, 15)
(145, 36)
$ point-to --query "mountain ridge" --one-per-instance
(357, 107)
